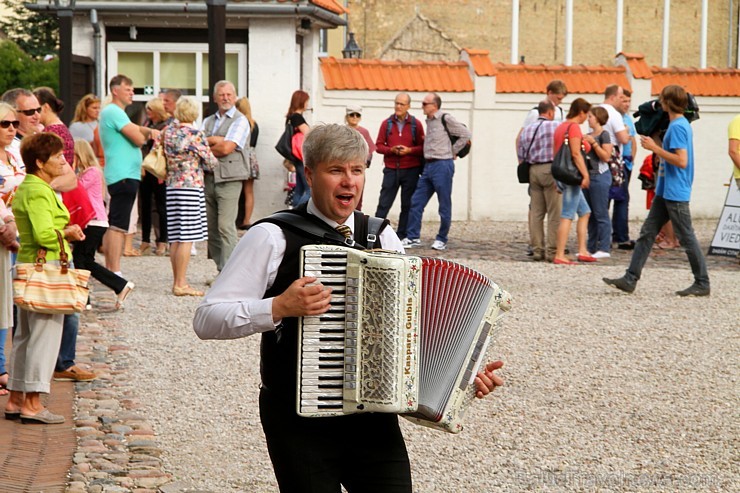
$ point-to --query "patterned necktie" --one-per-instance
(344, 230)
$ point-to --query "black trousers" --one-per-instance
(405, 178)
(365, 453)
(83, 254)
(150, 186)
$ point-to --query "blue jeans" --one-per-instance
(66, 357)
(620, 212)
(679, 214)
(406, 179)
(3, 336)
(67, 349)
(301, 192)
(599, 225)
(573, 202)
(436, 178)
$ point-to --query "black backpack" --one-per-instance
(652, 119)
(453, 138)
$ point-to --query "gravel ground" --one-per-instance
(604, 391)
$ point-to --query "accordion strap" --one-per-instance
(367, 229)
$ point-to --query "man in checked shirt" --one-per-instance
(536, 147)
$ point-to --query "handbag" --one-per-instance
(79, 206)
(284, 144)
(522, 170)
(54, 289)
(563, 168)
(616, 166)
(156, 162)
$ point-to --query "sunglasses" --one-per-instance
(426, 104)
(355, 115)
(8, 123)
(30, 112)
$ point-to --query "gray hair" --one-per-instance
(332, 143)
(222, 83)
(11, 96)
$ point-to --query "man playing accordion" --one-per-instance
(259, 291)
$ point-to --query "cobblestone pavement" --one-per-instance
(117, 448)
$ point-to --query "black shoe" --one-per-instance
(620, 283)
(694, 290)
(626, 245)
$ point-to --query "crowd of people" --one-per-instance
(86, 182)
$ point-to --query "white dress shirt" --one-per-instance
(234, 306)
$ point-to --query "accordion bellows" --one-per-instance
(403, 335)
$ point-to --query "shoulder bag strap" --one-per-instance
(532, 141)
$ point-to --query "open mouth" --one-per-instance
(345, 198)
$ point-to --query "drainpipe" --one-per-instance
(666, 32)
(97, 50)
(568, 32)
(620, 25)
(514, 31)
(703, 42)
(729, 32)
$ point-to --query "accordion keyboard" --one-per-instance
(323, 361)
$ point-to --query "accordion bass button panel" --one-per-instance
(346, 363)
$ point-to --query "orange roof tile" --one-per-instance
(579, 79)
(330, 5)
(699, 82)
(384, 75)
(481, 62)
(638, 65)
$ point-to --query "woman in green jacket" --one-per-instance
(39, 214)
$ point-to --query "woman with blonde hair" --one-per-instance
(157, 118)
(85, 121)
(11, 176)
(242, 104)
(90, 177)
(188, 156)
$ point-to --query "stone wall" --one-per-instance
(486, 24)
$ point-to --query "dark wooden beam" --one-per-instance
(65, 63)
(216, 46)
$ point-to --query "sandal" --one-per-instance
(161, 249)
(132, 253)
(186, 291)
(124, 294)
(145, 248)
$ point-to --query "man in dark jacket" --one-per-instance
(401, 141)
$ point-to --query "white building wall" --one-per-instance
(485, 185)
(274, 73)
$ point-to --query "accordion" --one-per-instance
(403, 334)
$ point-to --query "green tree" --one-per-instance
(20, 70)
(37, 34)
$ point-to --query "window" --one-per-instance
(184, 66)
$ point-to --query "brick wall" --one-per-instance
(486, 24)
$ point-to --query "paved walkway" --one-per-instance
(117, 442)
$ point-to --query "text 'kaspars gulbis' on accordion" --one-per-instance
(403, 335)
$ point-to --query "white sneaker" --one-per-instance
(408, 243)
(439, 245)
(601, 254)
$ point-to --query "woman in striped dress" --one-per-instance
(188, 155)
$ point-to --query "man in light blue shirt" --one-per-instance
(122, 141)
(621, 196)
